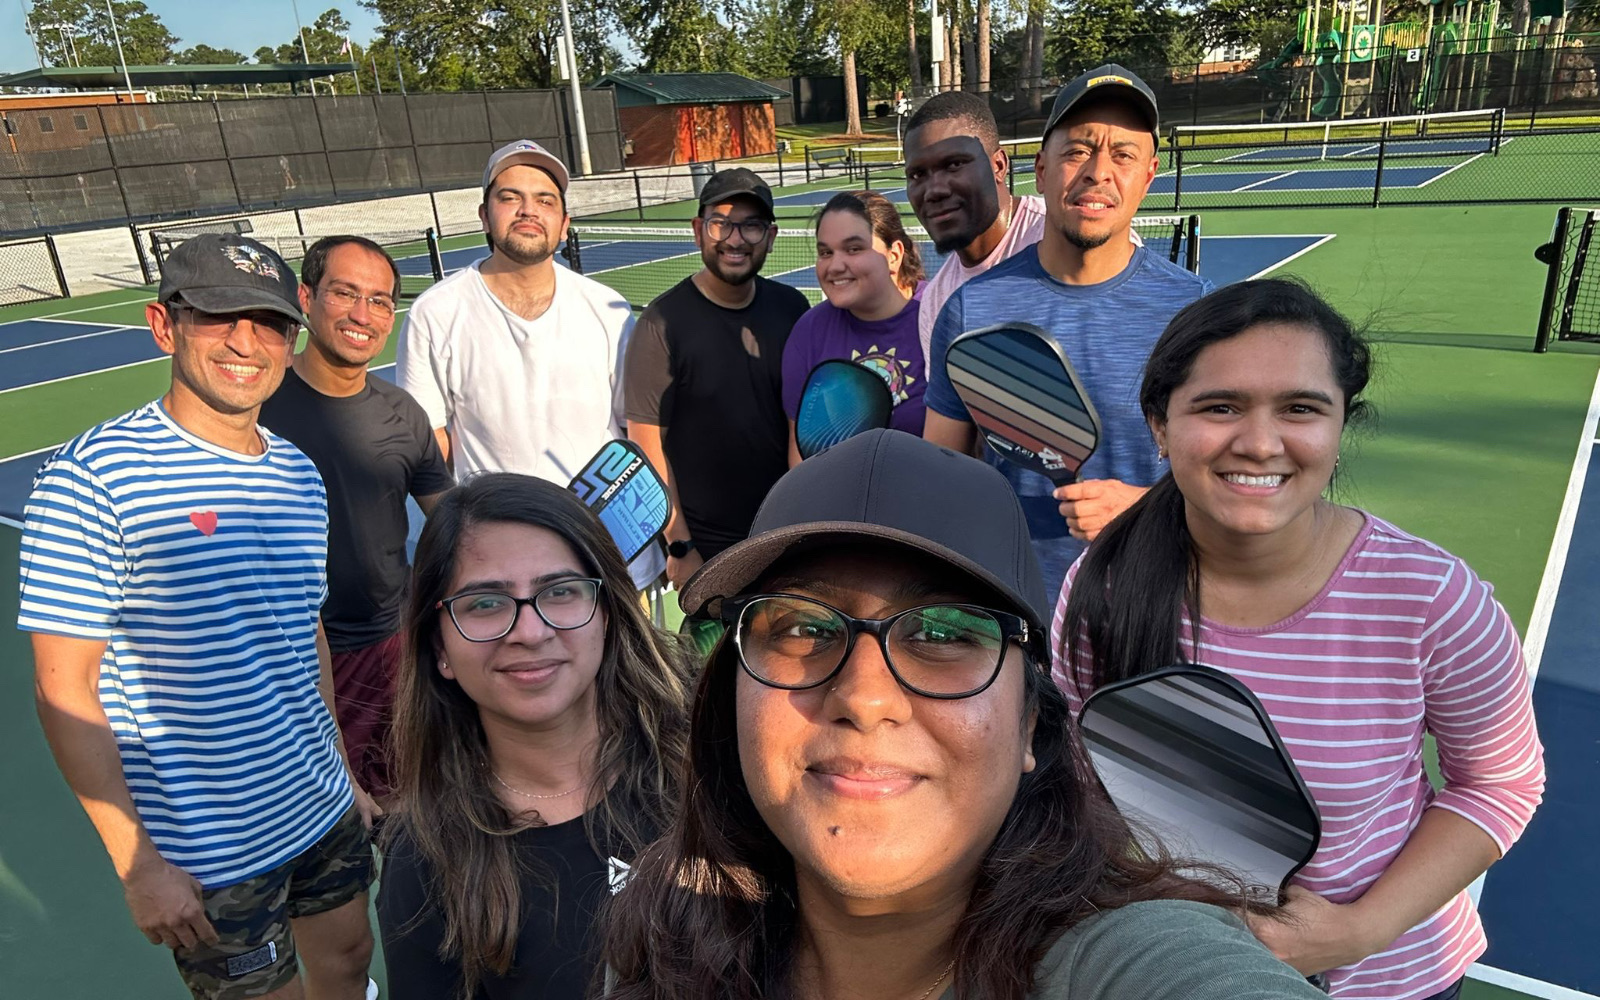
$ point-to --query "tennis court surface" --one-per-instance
(1474, 451)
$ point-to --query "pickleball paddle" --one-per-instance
(623, 490)
(1192, 760)
(841, 399)
(1025, 398)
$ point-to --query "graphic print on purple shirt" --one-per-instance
(887, 346)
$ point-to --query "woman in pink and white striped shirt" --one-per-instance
(1357, 637)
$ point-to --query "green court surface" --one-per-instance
(1471, 449)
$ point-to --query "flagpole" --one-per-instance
(355, 67)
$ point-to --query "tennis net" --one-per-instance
(642, 262)
(1438, 134)
(415, 251)
(1571, 306)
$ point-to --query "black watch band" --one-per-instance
(678, 550)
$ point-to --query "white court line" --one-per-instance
(144, 295)
(1550, 584)
(97, 371)
(1274, 267)
(1525, 984)
(1265, 180)
(1538, 632)
(63, 340)
(73, 322)
(1430, 180)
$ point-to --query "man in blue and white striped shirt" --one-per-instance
(173, 568)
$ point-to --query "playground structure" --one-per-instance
(1346, 62)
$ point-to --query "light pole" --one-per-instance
(304, 52)
(117, 36)
(577, 91)
(27, 25)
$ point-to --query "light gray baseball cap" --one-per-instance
(528, 153)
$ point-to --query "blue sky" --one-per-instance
(245, 25)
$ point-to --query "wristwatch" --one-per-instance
(678, 550)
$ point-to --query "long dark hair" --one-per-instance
(1141, 575)
(883, 218)
(446, 806)
(710, 913)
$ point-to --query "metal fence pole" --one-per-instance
(1552, 281)
(435, 259)
(638, 194)
(806, 151)
(116, 170)
(227, 156)
(1177, 170)
(1377, 177)
(433, 202)
(55, 263)
(138, 251)
(327, 160)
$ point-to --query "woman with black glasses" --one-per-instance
(539, 730)
(885, 798)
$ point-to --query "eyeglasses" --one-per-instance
(720, 227)
(346, 298)
(487, 615)
(271, 328)
(944, 651)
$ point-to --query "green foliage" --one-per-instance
(79, 32)
(467, 44)
(1136, 33)
(205, 55)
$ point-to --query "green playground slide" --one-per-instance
(1329, 48)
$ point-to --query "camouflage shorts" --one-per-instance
(255, 954)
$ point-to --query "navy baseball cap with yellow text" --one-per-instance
(1108, 81)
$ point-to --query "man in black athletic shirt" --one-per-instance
(374, 446)
(704, 375)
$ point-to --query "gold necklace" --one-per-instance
(929, 991)
(530, 795)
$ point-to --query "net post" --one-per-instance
(638, 195)
(1552, 281)
(1192, 261)
(1575, 272)
(806, 150)
(779, 151)
(435, 259)
(55, 263)
(1497, 130)
(1177, 172)
(572, 250)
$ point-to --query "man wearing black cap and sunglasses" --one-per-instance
(172, 576)
(704, 375)
(1105, 298)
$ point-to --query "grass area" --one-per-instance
(1471, 449)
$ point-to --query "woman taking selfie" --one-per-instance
(870, 272)
(538, 737)
(1357, 638)
(885, 798)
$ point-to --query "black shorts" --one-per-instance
(255, 952)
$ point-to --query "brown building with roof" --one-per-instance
(672, 118)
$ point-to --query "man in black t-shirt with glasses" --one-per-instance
(374, 446)
(704, 375)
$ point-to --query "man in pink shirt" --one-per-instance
(956, 183)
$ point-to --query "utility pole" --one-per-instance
(117, 36)
(577, 91)
(27, 25)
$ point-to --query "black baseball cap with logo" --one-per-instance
(224, 273)
(1105, 81)
(736, 182)
(893, 487)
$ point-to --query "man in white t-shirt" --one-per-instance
(517, 361)
(956, 181)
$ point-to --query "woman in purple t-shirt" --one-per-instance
(870, 271)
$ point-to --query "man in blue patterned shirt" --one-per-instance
(173, 568)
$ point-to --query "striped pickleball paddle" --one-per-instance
(1025, 398)
(1191, 759)
(623, 490)
(841, 399)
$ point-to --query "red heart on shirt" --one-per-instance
(205, 520)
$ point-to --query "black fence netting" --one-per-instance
(85, 167)
(30, 270)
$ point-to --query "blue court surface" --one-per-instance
(1538, 904)
(1206, 179)
(1344, 149)
(34, 351)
